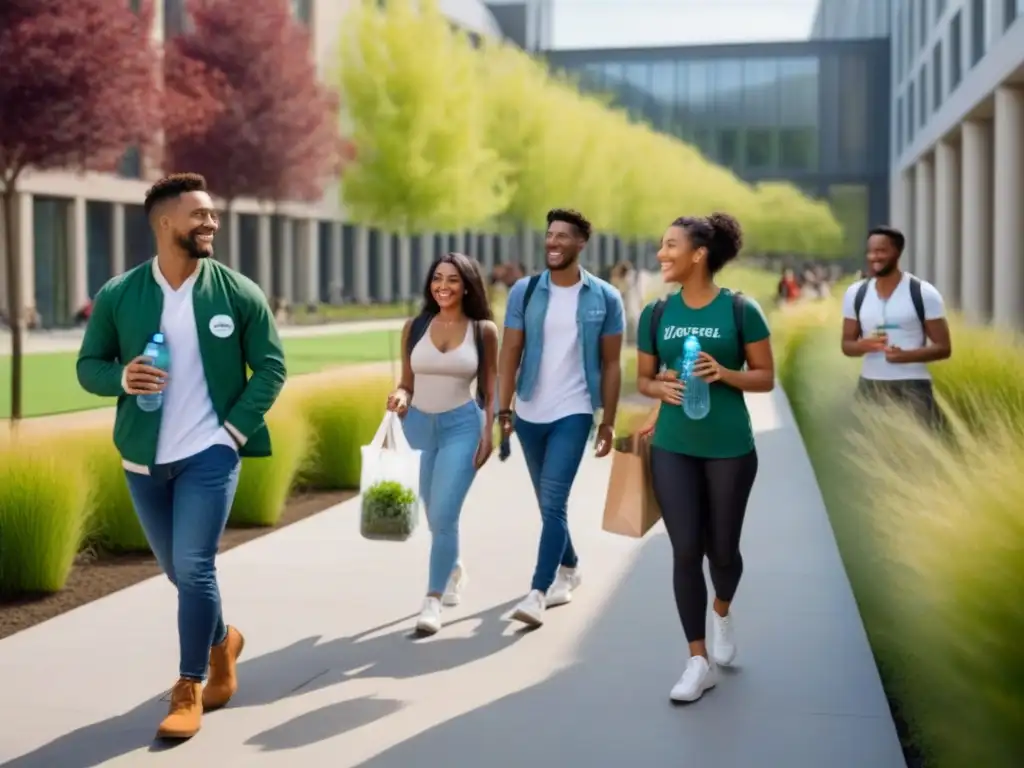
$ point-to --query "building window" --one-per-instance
(798, 149)
(302, 10)
(900, 138)
(922, 95)
(955, 51)
(99, 244)
(937, 76)
(729, 147)
(1011, 10)
(922, 20)
(911, 30)
(761, 149)
(977, 31)
(174, 18)
(911, 125)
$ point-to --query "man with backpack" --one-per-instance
(897, 323)
(560, 357)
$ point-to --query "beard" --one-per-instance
(885, 269)
(191, 245)
(566, 261)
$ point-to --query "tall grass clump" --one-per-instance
(947, 523)
(930, 530)
(986, 372)
(265, 483)
(343, 416)
(113, 525)
(44, 505)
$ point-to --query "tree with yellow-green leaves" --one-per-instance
(413, 104)
(453, 137)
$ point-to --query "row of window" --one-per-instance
(941, 73)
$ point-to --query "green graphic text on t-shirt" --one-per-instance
(726, 431)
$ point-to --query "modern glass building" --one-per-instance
(813, 113)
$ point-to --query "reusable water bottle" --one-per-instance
(160, 357)
(697, 397)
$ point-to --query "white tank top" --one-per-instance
(443, 379)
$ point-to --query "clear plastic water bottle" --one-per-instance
(160, 357)
(697, 397)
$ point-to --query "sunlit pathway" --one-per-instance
(331, 678)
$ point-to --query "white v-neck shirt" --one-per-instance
(899, 319)
(188, 422)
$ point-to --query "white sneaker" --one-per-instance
(456, 583)
(429, 622)
(531, 610)
(698, 677)
(723, 644)
(566, 582)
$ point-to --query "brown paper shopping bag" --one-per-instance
(630, 508)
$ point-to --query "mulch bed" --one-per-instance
(94, 577)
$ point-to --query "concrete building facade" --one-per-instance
(958, 150)
(75, 231)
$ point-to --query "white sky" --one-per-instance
(627, 23)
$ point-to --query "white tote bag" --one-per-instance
(389, 484)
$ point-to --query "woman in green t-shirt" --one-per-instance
(703, 470)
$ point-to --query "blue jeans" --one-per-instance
(449, 442)
(183, 508)
(553, 454)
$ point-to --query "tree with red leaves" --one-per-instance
(78, 89)
(245, 107)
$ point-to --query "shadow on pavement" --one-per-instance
(304, 666)
(787, 705)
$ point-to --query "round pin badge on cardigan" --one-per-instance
(222, 326)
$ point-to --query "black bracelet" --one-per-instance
(503, 414)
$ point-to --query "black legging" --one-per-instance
(703, 502)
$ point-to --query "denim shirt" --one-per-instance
(600, 313)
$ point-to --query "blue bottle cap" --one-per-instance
(158, 338)
(690, 343)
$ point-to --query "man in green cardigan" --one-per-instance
(182, 460)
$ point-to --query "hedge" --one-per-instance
(63, 493)
(930, 529)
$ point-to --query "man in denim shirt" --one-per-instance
(562, 343)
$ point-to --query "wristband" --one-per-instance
(505, 413)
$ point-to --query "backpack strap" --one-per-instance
(739, 313)
(478, 338)
(419, 327)
(531, 286)
(858, 302)
(657, 312)
(918, 299)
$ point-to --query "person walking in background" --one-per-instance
(181, 450)
(560, 358)
(897, 323)
(703, 470)
(451, 343)
(789, 289)
(626, 278)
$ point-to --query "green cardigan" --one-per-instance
(127, 311)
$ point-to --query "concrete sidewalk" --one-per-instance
(331, 678)
(70, 339)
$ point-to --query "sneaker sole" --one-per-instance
(724, 662)
(554, 602)
(425, 630)
(682, 700)
(451, 600)
(527, 619)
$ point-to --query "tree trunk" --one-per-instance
(15, 317)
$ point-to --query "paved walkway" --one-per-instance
(70, 339)
(331, 678)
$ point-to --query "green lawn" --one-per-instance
(50, 384)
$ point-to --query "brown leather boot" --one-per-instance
(223, 680)
(186, 711)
